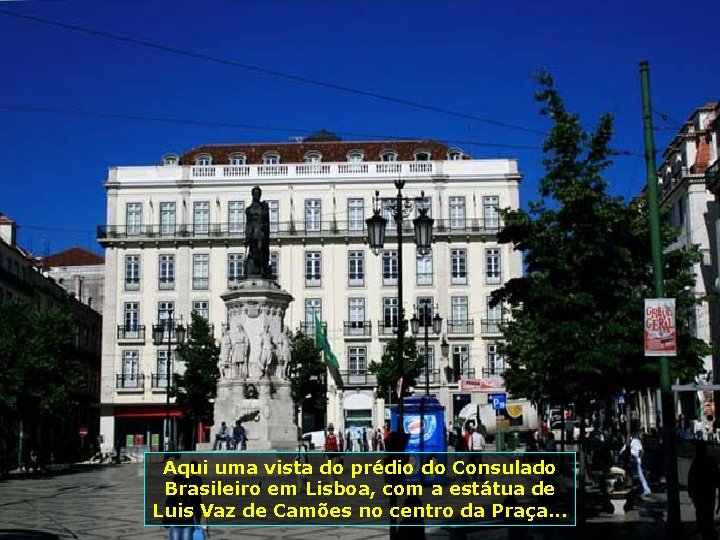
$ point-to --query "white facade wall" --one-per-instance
(333, 186)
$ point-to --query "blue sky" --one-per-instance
(473, 57)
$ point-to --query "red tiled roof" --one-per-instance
(5, 219)
(74, 256)
(332, 151)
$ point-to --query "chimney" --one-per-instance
(8, 230)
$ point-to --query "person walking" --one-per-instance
(703, 483)
(636, 454)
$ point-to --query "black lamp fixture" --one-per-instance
(425, 311)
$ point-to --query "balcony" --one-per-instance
(159, 381)
(131, 334)
(130, 383)
(200, 283)
(358, 329)
(387, 330)
(491, 327)
(309, 328)
(456, 375)
(420, 380)
(461, 327)
(358, 378)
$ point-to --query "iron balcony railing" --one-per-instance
(308, 328)
(130, 381)
(131, 333)
(358, 378)
(420, 380)
(357, 328)
(284, 229)
(461, 326)
(159, 380)
(457, 375)
(387, 329)
(491, 326)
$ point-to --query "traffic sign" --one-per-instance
(82, 432)
(498, 401)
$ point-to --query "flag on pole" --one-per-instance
(321, 341)
(399, 387)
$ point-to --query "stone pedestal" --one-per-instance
(262, 388)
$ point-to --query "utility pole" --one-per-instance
(674, 525)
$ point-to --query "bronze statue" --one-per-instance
(257, 237)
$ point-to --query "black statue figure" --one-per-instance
(257, 237)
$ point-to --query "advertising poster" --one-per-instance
(660, 329)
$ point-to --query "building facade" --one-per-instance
(174, 242)
(80, 272)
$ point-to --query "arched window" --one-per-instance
(238, 159)
(388, 155)
(455, 154)
(421, 154)
(271, 158)
(313, 157)
(170, 159)
(203, 160)
(355, 156)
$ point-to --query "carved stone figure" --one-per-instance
(266, 352)
(224, 361)
(240, 352)
(257, 237)
(284, 356)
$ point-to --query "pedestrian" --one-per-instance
(373, 440)
(477, 444)
(365, 445)
(569, 430)
(683, 428)
(223, 435)
(380, 440)
(348, 442)
(703, 482)
(636, 454)
(341, 442)
(332, 447)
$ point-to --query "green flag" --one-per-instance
(322, 343)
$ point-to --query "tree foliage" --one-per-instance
(576, 327)
(309, 372)
(196, 388)
(386, 370)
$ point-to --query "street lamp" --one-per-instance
(160, 331)
(377, 225)
(425, 316)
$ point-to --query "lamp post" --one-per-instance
(376, 239)
(425, 316)
(160, 331)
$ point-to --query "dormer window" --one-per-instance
(170, 159)
(388, 155)
(203, 160)
(313, 157)
(271, 158)
(421, 155)
(355, 156)
(238, 159)
(455, 154)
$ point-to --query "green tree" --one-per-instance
(576, 329)
(196, 388)
(309, 373)
(386, 370)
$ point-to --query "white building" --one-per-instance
(80, 272)
(174, 242)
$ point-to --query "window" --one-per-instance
(422, 155)
(423, 204)
(132, 272)
(455, 154)
(271, 158)
(202, 308)
(424, 268)
(356, 312)
(459, 307)
(390, 267)
(313, 260)
(496, 363)
(492, 265)
(165, 317)
(133, 218)
(356, 214)
(428, 356)
(236, 217)
(130, 370)
(203, 160)
(425, 311)
(457, 212)
(166, 272)
(235, 271)
(491, 212)
(357, 361)
(201, 217)
(313, 157)
(167, 218)
(237, 159)
(131, 319)
(458, 266)
(170, 159)
(163, 364)
(313, 308)
(388, 155)
(390, 312)
(274, 210)
(201, 271)
(388, 210)
(274, 264)
(356, 268)
(312, 215)
(461, 361)
(355, 156)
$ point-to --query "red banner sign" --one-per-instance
(660, 329)
(492, 383)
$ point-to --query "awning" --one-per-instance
(358, 402)
(144, 411)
